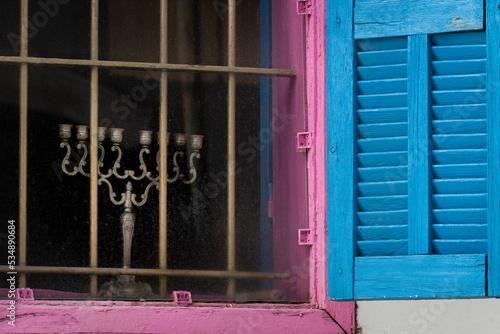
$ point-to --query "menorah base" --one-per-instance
(125, 287)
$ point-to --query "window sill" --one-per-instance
(149, 317)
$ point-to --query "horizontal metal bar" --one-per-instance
(271, 72)
(147, 272)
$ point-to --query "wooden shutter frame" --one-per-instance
(411, 276)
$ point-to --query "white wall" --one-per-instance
(443, 316)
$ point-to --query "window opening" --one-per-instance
(199, 225)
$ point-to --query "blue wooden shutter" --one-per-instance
(410, 179)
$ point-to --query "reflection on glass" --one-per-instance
(59, 29)
(10, 39)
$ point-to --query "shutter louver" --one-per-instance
(459, 143)
(382, 157)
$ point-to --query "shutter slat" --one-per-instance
(466, 141)
(454, 67)
(383, 57)
(380, 44)
(383, 130)
(460, 246)
(382, 115)
(459, 216)
(382, 159)
(391, 144)
(469, 38)
(383, 218)
(459, 156)
(382, 188)
(462, 201)
(459, 126)
(383, 247)
(382, 72)
(452, 82)
(460, 112)
(393, 100)
(453, 232)
(453, 52)
(462, 96)
(394, 232)
(460, 171)
(383, 203)
(459, 186)
(374, 174)
(382, 86)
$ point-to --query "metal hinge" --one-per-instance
(303, 141)
(182, 297)
(305, 237)
(304, 7)
(24, 294)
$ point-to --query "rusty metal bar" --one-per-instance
(94, 121)
(163, 148)
(271, 72)
(148, 272)
(231, 150)
(23, 141)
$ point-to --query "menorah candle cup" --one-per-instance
(180, 139)
(65, 131)
(101, 133)
(82, 132)
(145, 137)
(196, 142)
(116, 135)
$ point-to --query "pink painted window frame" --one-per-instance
(318, 316)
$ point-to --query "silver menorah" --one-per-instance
(125, 287)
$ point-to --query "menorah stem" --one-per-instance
(127, 219)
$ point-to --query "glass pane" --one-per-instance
(268, 170)
(59, 29)
(58, 204)
(128, 103)
(9, 28)
(129, 30)
(9, 168)
(248, 29)
(197, 32)
(197, 211)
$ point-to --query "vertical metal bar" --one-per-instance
(23, 141)
(163, 148)
(231, 151)
(94, 120)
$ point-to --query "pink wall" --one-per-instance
(342, 312)
(125, 317)
(289, 166)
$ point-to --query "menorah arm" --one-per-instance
(117, 165)
(176, 169)
(101, 163)
(142, 166)
(192, 169)
(112, 194)
(65, 161)
(144, 197)
(83, 160)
